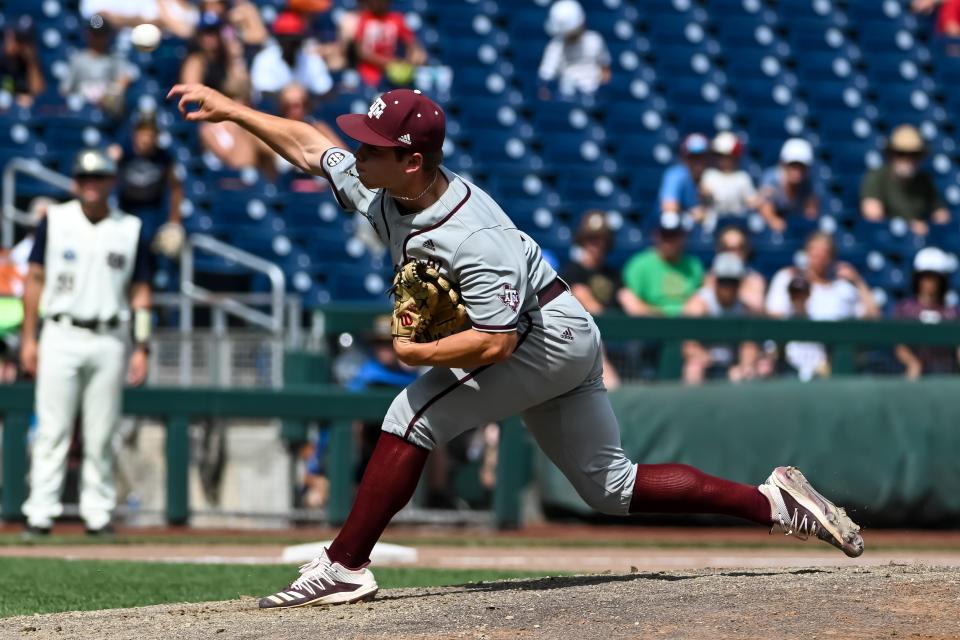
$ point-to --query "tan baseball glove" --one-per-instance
(426, 305)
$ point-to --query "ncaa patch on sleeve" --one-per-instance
(335, 158)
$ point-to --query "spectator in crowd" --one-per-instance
(216, 61)
(176, 17)
(720, 299)
(292, 57)
(340, 52)
(576, 58)
(19, 256)
(235, 147)
(931, 270)
(753, 286)
(787, 190)
(837, 290)
(147, 184)
(379, 32)
(294, 104)
(100, 77)
(240, 17)
(21, 74)
(807, 360)
(728, 188)
(592, 281)
(680, 187)
(948, 19)
(660, 280)
(900, 188)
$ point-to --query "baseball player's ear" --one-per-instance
(414, 162)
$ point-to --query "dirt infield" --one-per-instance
(789, 553)
(915, 601)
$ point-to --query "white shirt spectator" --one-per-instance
(577, 65)
(836, 300)
(730, 191)
(93, 75)
(145, 10)
(270, 73)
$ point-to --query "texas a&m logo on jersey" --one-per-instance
(376, 108)
(510, 297)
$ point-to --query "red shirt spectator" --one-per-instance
(379, 31)
(948, 22)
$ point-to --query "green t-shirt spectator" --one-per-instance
(661, 284)
(913, 199)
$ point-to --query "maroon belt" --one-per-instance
(547, 295)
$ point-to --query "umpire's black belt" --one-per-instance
(90, 325)
(547, 295)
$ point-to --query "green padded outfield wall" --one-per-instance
(885, 448)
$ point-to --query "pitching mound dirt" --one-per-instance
(863, 602)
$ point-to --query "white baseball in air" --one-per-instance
(145, 37)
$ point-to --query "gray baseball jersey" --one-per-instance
(554, 377)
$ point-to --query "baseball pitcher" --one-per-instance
(88, 268)
(520, 344)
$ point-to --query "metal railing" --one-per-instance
(219, 358)
(13, 216)
(224, 304)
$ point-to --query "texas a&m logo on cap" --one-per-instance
(377, 108)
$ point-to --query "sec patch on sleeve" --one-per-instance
(335, 158)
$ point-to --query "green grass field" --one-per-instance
(41, 585)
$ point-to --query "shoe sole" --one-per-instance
(365, 594)
(803, 492)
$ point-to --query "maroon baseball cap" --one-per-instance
(399, 118)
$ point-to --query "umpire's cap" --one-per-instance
(94, 162)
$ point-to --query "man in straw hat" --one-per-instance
(900, 188)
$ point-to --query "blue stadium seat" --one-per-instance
(347, 283)
(505, 151)
(838, 73)
(562, 150)
(560, 117)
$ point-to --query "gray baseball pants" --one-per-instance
(554, 381)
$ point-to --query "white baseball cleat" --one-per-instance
(324, 582)
(799, 510)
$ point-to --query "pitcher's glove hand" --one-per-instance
(426, 305)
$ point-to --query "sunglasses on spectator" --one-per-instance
(915, 155)
(733, 248)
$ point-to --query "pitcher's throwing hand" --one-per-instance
(212, 106)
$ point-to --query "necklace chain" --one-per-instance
(429, 186)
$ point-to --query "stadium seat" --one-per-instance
(837, 73)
